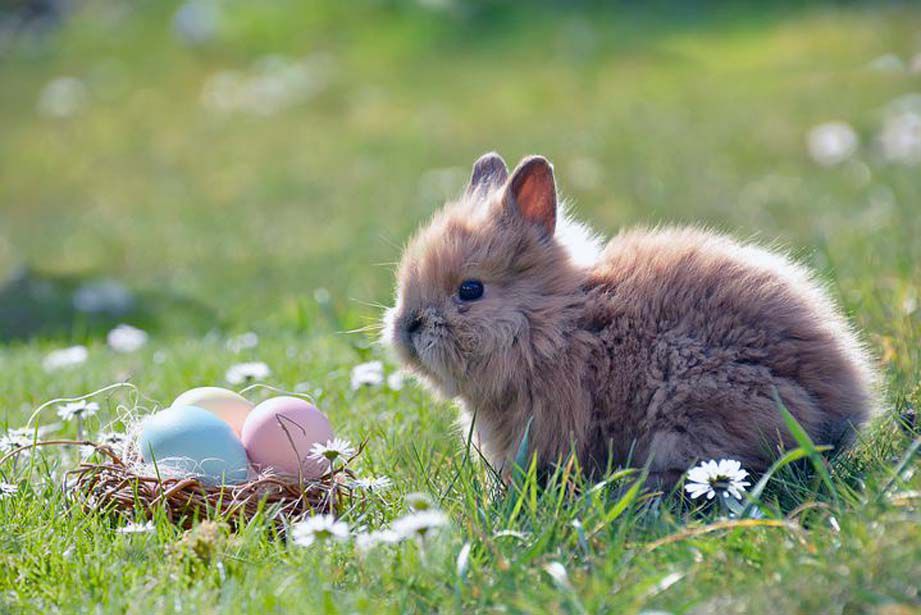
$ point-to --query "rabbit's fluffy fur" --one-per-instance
(665, 347)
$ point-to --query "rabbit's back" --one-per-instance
(696, 331)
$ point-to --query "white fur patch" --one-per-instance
(582, 243)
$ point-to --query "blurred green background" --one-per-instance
(222, 161)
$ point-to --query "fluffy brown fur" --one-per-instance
(668, 348)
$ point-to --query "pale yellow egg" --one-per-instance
(227, 405)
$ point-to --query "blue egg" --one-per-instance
(191, 440)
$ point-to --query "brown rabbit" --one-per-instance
(667, 346)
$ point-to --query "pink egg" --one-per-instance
(279, 433)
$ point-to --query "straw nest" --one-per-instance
(119, 483)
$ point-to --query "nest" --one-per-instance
(118, 485)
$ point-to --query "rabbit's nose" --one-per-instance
(412, 323)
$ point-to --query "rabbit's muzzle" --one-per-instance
(420, 333)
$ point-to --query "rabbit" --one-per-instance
(665, 347)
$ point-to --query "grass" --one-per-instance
(224, 223)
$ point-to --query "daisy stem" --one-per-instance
(422, 552)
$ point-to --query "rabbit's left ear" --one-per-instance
(531, 193)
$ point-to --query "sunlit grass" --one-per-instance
(221, 224)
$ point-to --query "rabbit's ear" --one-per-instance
(489, 172)
(531, 193)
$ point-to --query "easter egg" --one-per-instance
(227, 405)
(279, 433)
(191, 441)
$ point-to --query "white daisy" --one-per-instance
(887, 63)
(419, 501)
(900, 137)
(14, 439)
(831, 143)
(372, 483)
(65, 357)
(557, 572)
(197, 21)
(367, 374)
(113, 439)
(319, 528)
(136, 528)
(395, 381)
(725, 476)
(321, 295)
(332, 450)
(77, 409)
(366, 541)
(125, 338)
(62, 97)
(420, 523)
(8, 489)
(244, 372)
(242, 342)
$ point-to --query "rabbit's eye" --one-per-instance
(470, 290)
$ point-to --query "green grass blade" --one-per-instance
(805, 442)
(618, 509)
(521, 457)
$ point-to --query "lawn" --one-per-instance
(260, 176)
